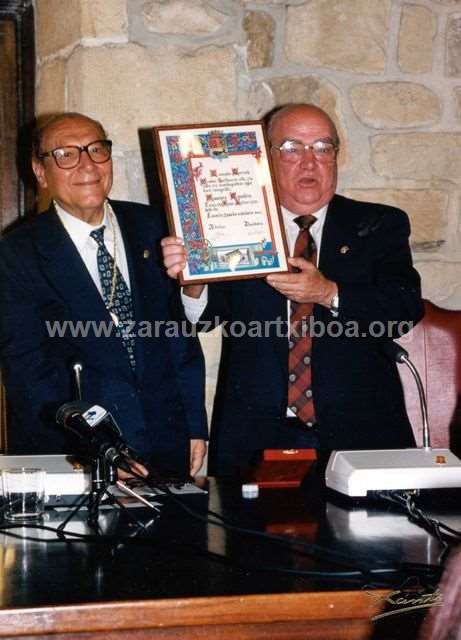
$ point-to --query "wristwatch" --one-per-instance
(334, 306)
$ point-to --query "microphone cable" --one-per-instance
(359, 562)
(405, 500)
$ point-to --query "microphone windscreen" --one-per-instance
(69, 408)
(394, 351)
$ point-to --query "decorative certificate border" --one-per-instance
(218, 188)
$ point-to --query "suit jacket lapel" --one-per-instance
(70, 278)
(338, 238)
(65, 268)
(134, 241)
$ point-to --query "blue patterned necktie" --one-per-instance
(121, 308)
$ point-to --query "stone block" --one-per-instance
(426, 208)
(51, 90)
(129, 87)
(458, 101)
(395, 104)
(269, 2)
(418, 156)
(315, 90)
(342, 34)
(120, 188)
(257, 101)
(58, 25)
(182, 17)
(441, 282)
(418, 26)
(453, 43)
(259, 27)
(103, 19)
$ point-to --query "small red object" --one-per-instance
(282, 468)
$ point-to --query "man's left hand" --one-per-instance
(307, 285)
(197, 454)
(137, 468)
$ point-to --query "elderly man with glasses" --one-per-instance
(324, 382)
(82, 283)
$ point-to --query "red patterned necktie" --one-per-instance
(300, 342)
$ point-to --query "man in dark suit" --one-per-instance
(83, 282)
(356, 287)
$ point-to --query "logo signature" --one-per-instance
(411, 596)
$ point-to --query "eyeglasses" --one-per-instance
(99, 151)
(293, 150)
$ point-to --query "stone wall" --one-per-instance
(388, 71)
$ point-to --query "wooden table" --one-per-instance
(187, 578)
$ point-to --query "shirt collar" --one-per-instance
(289, 217)
(79, 230)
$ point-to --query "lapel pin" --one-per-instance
(344, 249)
(146, 253)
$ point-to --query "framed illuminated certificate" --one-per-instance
(220, 199)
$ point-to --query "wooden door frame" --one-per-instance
(20, 13)
(18, 18)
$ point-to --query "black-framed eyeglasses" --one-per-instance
(99, 151)
(293, 150)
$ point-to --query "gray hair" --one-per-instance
(49, 121)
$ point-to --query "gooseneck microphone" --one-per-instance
(358, 473)
(397, 353)
(97, 431)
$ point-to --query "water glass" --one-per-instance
(24, 493)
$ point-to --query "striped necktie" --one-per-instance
(300, 342)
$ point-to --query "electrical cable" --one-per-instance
(359, 567)
(445, 535)
(312, 549)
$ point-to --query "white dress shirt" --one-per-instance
(79, 232)
(194, 307)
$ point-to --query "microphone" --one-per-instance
(356, 473)
(394, 351)
(98, 431)
(77, 368)
(397, 353)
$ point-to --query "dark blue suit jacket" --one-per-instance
(357, 393)
(43, 280)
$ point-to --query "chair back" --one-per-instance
(434, 347)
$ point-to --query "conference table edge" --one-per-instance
(187, 612)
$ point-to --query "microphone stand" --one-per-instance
(103, 474)
(422, 399)
(99, 472)
(355, 473)
(396, 352)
